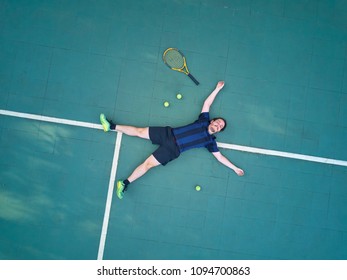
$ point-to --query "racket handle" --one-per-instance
(193, 79)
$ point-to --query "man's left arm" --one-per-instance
(209, 100)
(222, 159)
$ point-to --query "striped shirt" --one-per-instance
(196, 135)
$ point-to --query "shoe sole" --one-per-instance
(105, 125)
(119, 191)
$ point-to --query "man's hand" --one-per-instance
(220, 85)
(239, 171)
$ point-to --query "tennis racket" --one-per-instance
(176, 61)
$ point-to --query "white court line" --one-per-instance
(282, 154)
(50, 119)
(109, 196)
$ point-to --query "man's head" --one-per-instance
(217, 125)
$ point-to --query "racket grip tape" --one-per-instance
(193, 79)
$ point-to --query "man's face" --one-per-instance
(216, 126)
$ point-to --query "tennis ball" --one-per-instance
(197, 188)
(179, 96)
(166, 104)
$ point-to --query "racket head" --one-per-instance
(175, 60)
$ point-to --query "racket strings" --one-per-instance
(174, 59)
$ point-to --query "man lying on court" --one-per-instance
(173, 141)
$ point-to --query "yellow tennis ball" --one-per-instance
(179, 96)
(197, 188)
(166, 104)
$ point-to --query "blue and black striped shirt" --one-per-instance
(196, 135)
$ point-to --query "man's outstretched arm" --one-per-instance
(222, 159)
(209, 100)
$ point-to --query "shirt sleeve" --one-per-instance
(205, 116)
(212, 147)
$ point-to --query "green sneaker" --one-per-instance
(104, 122)
(120, 189)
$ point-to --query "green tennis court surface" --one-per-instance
(62, 63)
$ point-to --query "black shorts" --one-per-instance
(168, 149)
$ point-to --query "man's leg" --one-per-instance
(139, 171)
(142, 132)
(142, 169)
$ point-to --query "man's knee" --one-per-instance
(143, 132)
(151, 162)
